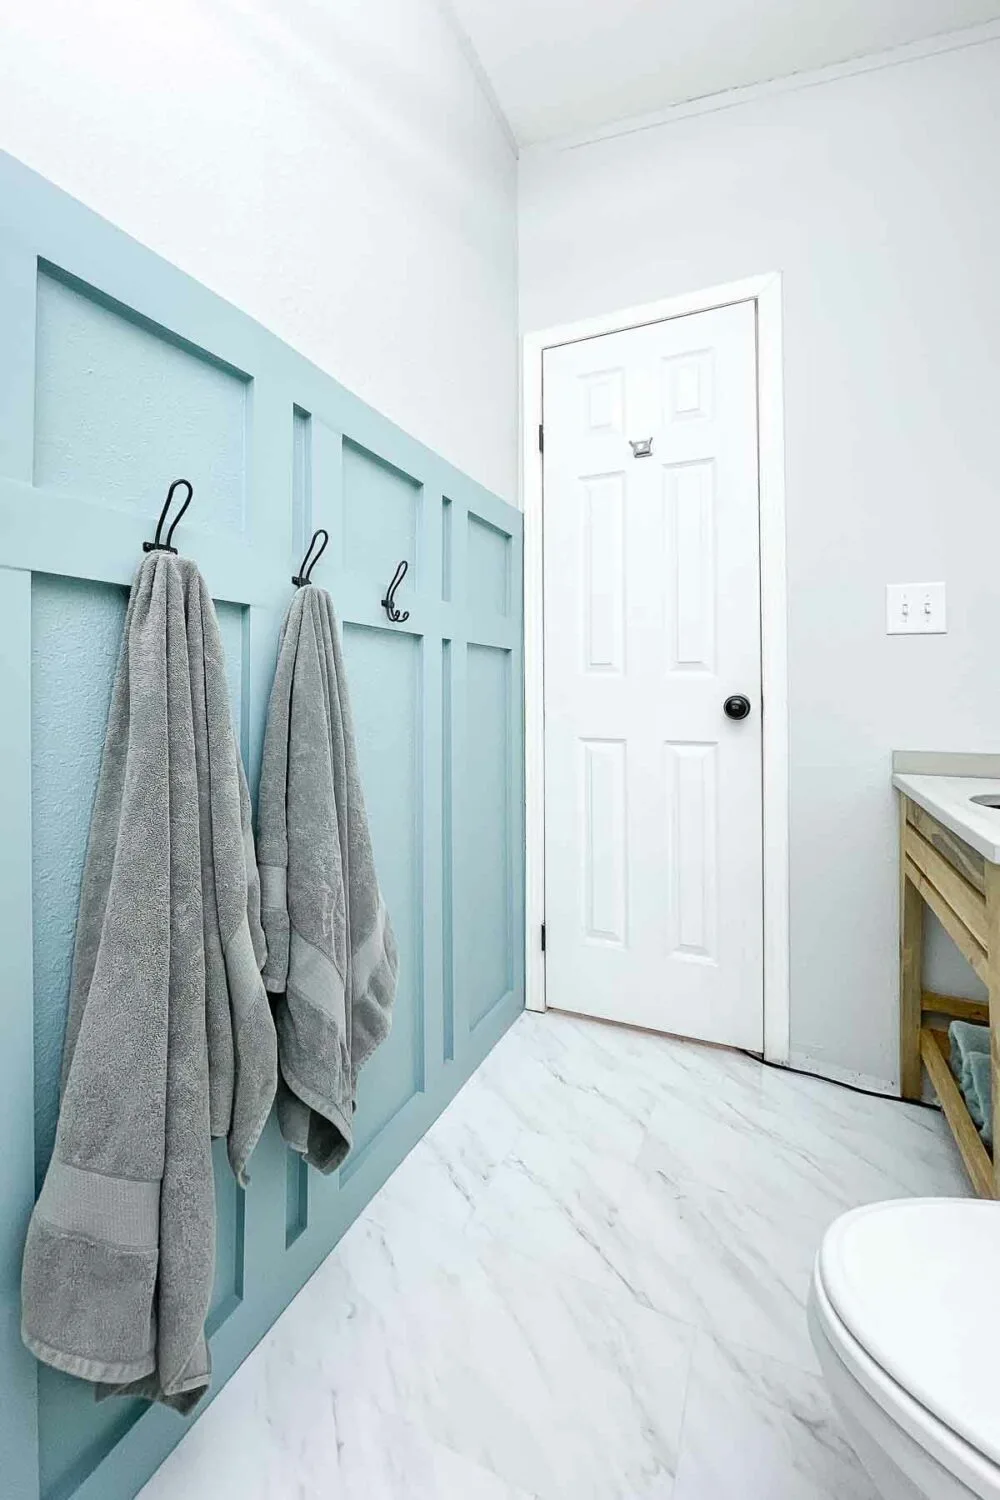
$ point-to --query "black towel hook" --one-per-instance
(389, 602)
(156, 545)
(304, 575)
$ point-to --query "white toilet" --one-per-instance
(904, 1314)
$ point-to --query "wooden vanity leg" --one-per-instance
(993, 981)
(911, 952)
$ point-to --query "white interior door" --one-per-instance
(653, 812)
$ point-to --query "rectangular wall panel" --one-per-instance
(692, 837)
(75, 1432)
(488, 567)
(122, 408)
(76, 631)
(486, 895)
(604, 573)
(381, 518)
(384, 673)
(689, 501)
(229, 1228)
(605, 860)
(76, 635)
(447, 546)
(447, 846)
(302, 484)
(296, 1197)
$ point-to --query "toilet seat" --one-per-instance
(907, 1294)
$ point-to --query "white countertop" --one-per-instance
(947, 799)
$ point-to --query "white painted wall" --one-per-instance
(876, 198)
(335, 170)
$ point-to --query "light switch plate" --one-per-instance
(915, 609)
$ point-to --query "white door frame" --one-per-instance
(765, 293)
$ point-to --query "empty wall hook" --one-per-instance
(304, 575)
(389, 602)
(641, 447)
(156, 545)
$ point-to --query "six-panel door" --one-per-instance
(653, 809)
(117, 375)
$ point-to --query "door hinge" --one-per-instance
(541, 438)
(543, 937)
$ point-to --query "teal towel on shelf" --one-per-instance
(982, 1090)
(970, 1063)
(967, 1038)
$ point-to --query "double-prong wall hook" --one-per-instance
(389, 602)
(156, 545)
(304, 575)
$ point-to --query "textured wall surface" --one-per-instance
(333, 170)
(875, 197)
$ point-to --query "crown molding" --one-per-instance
(873, 62)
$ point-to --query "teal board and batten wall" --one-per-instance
(118, 374)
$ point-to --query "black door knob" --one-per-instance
(736, 707)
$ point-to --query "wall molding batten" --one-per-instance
(789, 83)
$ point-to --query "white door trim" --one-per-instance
(765, 292)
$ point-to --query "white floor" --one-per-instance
(588, 1281)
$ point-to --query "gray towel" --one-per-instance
(980, 1094)
(967, 1038)
(169, 1037)
(332, 960)
(970, 1063)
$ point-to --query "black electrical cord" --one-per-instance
(839, 1083)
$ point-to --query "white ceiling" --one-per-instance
(563, 66)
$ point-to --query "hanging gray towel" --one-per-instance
(332, 960)
(169, 1037)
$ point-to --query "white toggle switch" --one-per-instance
(915, 609)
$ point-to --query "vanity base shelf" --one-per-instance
(934, 1050)
(962, 888)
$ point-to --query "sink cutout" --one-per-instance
(987, 799)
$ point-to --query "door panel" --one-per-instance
(117, 375)
(653, 898)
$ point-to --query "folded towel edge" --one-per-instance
(88, 1369)
(317, 1102)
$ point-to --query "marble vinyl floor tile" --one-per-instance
(587, 1282)
(556, 1386)
(706, 1255)
(456, 1159)
(719, 1218)
(556, 1205)
(755, 1429)
(230, 1453)
(862, 1148)
(347, 1450)
(562, 1083)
